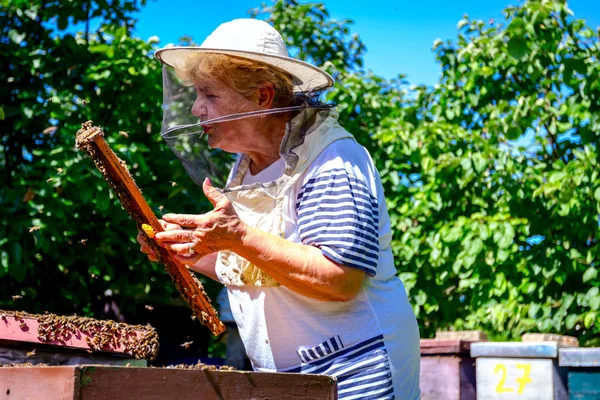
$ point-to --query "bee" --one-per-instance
(34, 228)
(160, 208)
(173, 183)
(186, 345)
(16, 297)
(60, 170)
(31, 353)
(49, 130)
(124, 134)
(49, 180)
(149, 308)
(83, 241)
(84, 102)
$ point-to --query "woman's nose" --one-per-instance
(199, 109)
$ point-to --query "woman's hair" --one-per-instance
(242, 75)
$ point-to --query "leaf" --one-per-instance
(506, 237)
(589, 274)
(597, 194)
(589, 318)
(571, 320)
(479, 162)
(3, 263)
(517, 47)
(1, 114)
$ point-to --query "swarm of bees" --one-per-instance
(138, 341)
(202, 367)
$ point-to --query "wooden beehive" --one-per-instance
(519, 370)
(115, 383)
(60, 340)
(583, 372)
(447, 370)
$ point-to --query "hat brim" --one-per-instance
(307, 77)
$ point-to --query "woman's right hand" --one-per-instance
(145, 247)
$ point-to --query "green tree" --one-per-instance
(489, 234)
(64, 239)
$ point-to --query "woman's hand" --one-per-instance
(201, 235)
(145, 248)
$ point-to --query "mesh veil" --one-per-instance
(185, 133)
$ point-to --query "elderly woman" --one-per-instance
(300, 235)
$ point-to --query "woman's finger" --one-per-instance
(166, 226)
(180, 235)
(187, 259)
(183, 220)
(180, 248)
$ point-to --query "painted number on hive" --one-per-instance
(510, 387)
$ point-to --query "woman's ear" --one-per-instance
(266, 95)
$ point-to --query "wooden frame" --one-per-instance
(91, 140)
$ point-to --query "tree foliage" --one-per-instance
(64, 239)
(491, 175)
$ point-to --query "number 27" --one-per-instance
(522, 381)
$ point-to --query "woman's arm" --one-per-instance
(301, 268)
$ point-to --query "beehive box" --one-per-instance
(583, 366)
(66, 340)
(125, 383)
(447, 370)
(519, 370)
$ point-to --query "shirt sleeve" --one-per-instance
(338, 214)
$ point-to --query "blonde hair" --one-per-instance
(241, 74)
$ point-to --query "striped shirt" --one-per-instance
(370, 344)
(338, 214)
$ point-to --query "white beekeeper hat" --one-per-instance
(255, 40)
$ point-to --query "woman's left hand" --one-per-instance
(217, 230)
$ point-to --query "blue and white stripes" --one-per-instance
(327, 347)
(362, 370)
(338, 214)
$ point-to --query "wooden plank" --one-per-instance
(91, 140)
(520, 378)
(562, 340)
(47, 383)
(447, 378)
(436, 346)
(515, 349)
(469, 336)
(582, 357)
(120, 383)
(51, 355)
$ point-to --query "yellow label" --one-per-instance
(522, 381)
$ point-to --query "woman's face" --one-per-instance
(215, 99)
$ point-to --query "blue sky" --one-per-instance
(398, 34)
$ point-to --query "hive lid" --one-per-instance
(581, 357)
(437, 346)
(515, 349)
